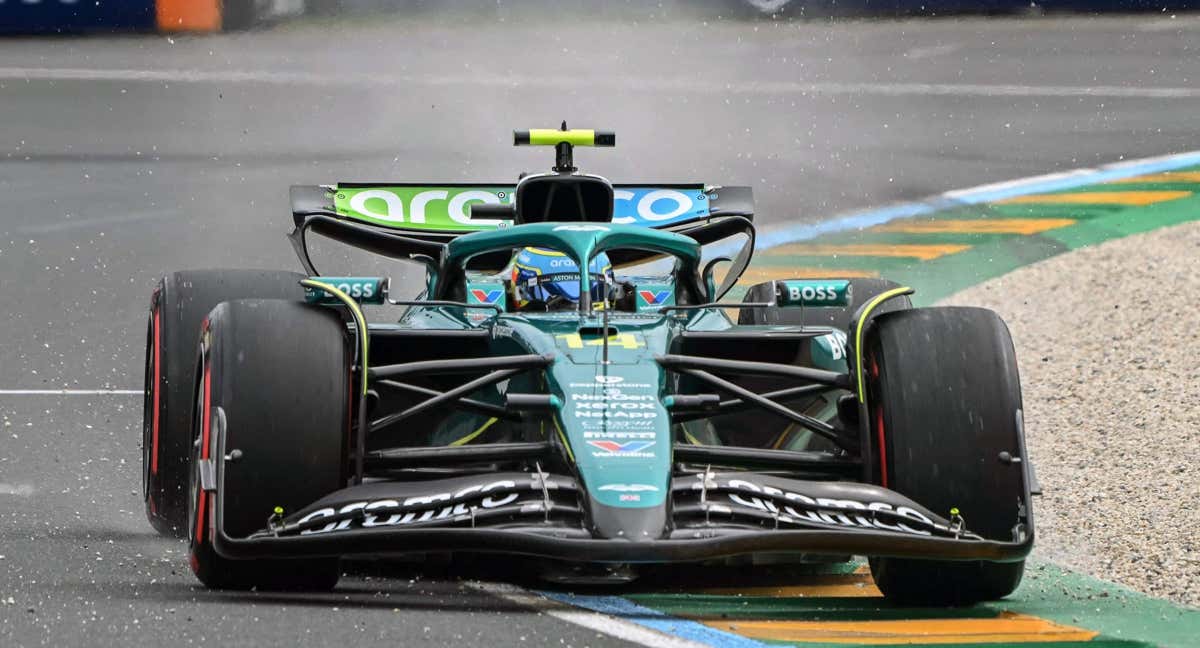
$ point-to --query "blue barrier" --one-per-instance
(57, 16)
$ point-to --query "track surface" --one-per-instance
(124, 158)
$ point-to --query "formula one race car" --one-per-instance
(567, 384)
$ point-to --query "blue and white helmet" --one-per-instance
(552, 278)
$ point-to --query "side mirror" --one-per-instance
(364, 290)
(807, 293)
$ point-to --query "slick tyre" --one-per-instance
(177, 306)
(944, 402)
(861, 291)
(273, 387)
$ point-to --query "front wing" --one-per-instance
(713, 515)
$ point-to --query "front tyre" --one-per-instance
(180, 301)
(944, 401)
(274, 381)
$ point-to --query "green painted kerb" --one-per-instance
(1123, 618)
(992, 255)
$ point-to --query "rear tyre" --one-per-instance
(861, 291)
(180, 301)
(277, 373)
(945, 399)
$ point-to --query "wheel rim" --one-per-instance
(196, 452)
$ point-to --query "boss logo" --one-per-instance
(812, 293)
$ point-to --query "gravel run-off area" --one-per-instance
(1108, 341)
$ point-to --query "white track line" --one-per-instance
(666, 85)
(20, 490)
(70, 392)
(612, 626)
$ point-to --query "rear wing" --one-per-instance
(443, 211)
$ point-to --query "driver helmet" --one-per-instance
(541, 276)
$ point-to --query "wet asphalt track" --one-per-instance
(123, 158)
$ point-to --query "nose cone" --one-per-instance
(635, 524)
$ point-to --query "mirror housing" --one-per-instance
(809, 293)
(710, 281)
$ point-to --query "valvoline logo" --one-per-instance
(486, 296)
(617, 447)
(654, 298)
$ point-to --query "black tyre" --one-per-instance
(861, 290)
(278, 374)
(178, 305)
(945, 399)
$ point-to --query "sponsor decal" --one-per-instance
(629, 488)
(618, 434)
(653, 298)
(391, 512)
(822, 510)
(609, 380)
(612, 391)
(606, 414)
(622, 340)
(487, 296)
(837, 344)
(614, 406)
(365, 290)
(794, 292)
(657, 206)
(612, 395)
(448, 208)
(812, 293)
(582, 228)
(421, 208)
(631, 448)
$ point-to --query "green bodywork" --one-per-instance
(612, 421)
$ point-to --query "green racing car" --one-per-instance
(569, 384)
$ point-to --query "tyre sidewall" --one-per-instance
(293, 445)
(179, 303)
(962, 378)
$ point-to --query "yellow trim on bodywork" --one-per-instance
(858, 333)
(787, 432)
(360, 321)
(471, 437)
(562, 435)
(545, 252)
(553, 136)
